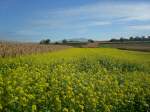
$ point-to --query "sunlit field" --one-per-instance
(76, 80)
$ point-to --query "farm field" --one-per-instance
(10, 49)
(134, 46)
(76, 80)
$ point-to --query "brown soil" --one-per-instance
(92, 45)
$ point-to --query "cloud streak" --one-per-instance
(140, 27)
(95, 15)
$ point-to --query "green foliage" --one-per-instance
(76, 80)
(64, 41)
(137, 38)
(90, 40)
(46, 41)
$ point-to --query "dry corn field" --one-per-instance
(17, 49)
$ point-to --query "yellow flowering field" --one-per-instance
(76, 80)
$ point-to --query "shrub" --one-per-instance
(46, 41)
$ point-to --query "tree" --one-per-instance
(45, 41)
(56, 42)
(64, 41)
(137, 38)
(131, 38)
(113, 40)
(143, 38)
(122, 39)
(90, 40)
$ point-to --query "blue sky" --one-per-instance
(33, 20)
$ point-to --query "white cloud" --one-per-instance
(81, 20)
(93, 15)
(136, 11)
(140, 27)
(99, 23)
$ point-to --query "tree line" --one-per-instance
(64, 41)
(137, 38)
